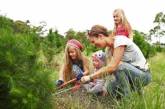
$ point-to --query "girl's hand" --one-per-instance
(59, 82)
(85, 79)
(79, 76)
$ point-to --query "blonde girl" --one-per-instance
(121, 24)
(75, 63)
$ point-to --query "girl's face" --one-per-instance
(96, 63)
(72, 53)
(117, 18)
(98, 41)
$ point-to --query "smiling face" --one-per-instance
(117, 17)
(98, 41)
(72, 53)
(96, 63)
(98, 35)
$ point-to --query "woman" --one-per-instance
(127, 64)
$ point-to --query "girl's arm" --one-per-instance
(131, 35)
(130, 32)
(110, 68)
(61, 76)
(86, 66)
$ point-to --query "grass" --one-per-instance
(157, 65)
(152, 98)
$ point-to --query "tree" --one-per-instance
(159, 29)
(21, 27)
(147, 49)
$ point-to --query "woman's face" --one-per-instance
(72, 53)
(98, 41)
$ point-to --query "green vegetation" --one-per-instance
(29, 65)
(153, 96)
(24, 77)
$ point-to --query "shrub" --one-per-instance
(24, 81)
(147, 49)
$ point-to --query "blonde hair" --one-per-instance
(124, 22)
(67, 67)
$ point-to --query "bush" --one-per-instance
(147, 49)
(24, 81)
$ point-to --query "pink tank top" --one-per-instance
(122, 31)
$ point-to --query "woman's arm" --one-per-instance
(110, 68)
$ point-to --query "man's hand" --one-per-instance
(85, 79)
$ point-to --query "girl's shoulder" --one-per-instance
(85, 59)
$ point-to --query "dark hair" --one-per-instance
(96, 30)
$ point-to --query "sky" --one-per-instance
(81, 15)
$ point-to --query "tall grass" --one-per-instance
(154, 93)
(153, 96)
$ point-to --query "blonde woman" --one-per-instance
(128, 64)
(121, 24)
(75, 63)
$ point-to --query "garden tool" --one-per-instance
(66, 83)
(70, 89)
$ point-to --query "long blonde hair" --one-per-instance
(67, 68)
(124, 22)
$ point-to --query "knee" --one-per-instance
(121, 70)
(122, 66)
(148, 79)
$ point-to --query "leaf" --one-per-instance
(158, 17)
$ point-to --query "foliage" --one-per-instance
(153, 96)
(147, 49)
(52, 44)
(21, 27)
(159, 29)
(24, 79)
(27, 69)
(6, 23)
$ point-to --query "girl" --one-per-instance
(75, 63)
(96, 86)
(122, 26)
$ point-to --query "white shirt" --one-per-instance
(132, 53)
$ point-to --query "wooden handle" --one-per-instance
(68, 82)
